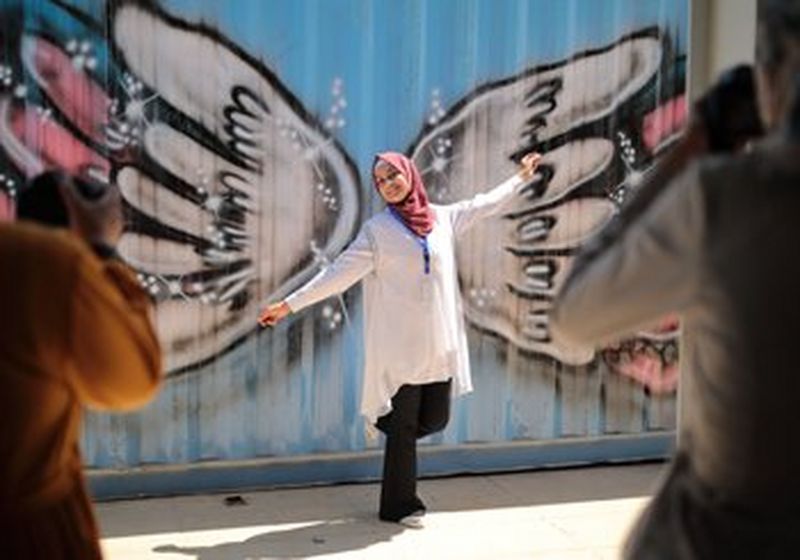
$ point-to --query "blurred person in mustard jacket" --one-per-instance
(75, 332)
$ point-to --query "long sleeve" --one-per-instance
(469, 212)
(652, 268)
(112, 341)
(656, 181)
(353, 264)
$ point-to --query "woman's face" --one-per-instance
(392, 185)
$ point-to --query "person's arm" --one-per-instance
(466, 213)
(111, 340)
(693, 144)
(652, 268)
(353, 264)
(725, 120)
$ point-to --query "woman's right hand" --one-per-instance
(273, 314)
(528, 165)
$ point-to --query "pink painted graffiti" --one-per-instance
(71, 89)
(663, 121)
(32, 137)
(54, 146)
(6, 209)
(649, 371)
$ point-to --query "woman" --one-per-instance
(414, 337)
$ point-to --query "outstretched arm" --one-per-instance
(352, 265)
(646, 263)
(467, 213)
(651, 268)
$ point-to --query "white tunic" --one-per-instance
(413, 322)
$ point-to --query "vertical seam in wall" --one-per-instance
(699, 25)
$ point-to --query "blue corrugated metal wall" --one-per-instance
(242, 135)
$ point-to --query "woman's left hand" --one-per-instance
(274, 314)
(528, 165)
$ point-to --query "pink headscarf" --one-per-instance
(414, 209)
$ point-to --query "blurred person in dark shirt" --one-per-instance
(712, 236)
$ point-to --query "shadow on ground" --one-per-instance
(314, 539)
(326, 513)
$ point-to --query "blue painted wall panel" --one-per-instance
(150, 95)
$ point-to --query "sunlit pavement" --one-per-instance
(561, 514)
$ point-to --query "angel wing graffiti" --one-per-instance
(595, 118)
(233, 186)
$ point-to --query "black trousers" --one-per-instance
(417, 411)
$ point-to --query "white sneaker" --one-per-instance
(371, 433)
(413, 521)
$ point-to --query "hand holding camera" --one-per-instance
(94, 208)
(728, 111)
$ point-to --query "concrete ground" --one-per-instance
(569, 514)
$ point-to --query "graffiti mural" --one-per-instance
(204, 165)
(594, 117)
(241, 139)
